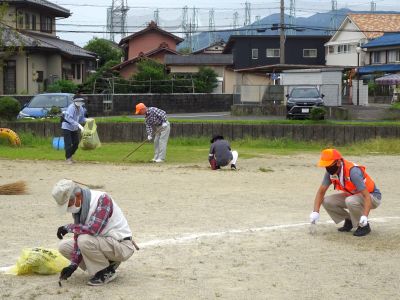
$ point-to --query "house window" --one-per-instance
(331, 49)
(27, 21)
(376, 57)
(254, 53)
(20, 20)
(343, 49)
(73, 71)
(33, 20)
(46, 24)
(394, 56)
(309, 52)
(273, 52)
(78, 71)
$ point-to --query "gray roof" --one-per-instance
(199, 59)
(58, 10)
(29, 40)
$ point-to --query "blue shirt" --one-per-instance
(356, 177)
(73, 115)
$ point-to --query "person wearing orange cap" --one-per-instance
(358, 193)
(157, 124)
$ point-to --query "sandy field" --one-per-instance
(211, 234)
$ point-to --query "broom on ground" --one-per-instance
(15, 188)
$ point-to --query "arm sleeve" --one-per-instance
(82, 118)
(68, 115)
(326, 181)
(211, 153)
(357, 178)
(149, 128)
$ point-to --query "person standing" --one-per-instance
(157, 125)
(221, 154)
(358, 193)
(102, 237)
(73, 116)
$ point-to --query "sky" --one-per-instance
(90, 17)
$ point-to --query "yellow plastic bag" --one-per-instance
(90, 139)
(39, 260)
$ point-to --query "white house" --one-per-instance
(355, 31)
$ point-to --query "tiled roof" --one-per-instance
(388, 39)
(374, 25)
(199, 59)
(61, 11)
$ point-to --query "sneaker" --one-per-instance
(158, 160)
(233, 167)
(102, 277)
(361, 231)
(69, 161)
(347, 226)
(113, 265)
(154, 159)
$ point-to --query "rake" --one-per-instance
(15, 188)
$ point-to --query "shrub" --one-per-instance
(62, 86)
(9, 108)
(395, 106)
(317, 113)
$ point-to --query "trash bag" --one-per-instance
(40, 261)
(90, 139)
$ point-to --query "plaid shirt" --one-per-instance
(97, 222)
(154, 117)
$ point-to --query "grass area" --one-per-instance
(186, 150)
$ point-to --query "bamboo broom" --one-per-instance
(16, 188)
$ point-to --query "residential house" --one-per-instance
(213, 48)
(355, 31)
(256, 58)
(30, 25)
(382, 55)
(192, 63)
(151, 42)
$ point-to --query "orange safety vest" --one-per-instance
(349, 187)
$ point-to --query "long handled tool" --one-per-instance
(142, 143)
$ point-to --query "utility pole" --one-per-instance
(282, 33)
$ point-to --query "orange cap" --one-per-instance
(139, 106)
(328, 157)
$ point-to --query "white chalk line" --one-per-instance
(196, 236)
(187, 238)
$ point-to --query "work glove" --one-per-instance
(314, 217)
(80, 127)
(61, 231)
(165, 124)
(363, 221)
(149, 137)
(67, 272)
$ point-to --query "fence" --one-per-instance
(259, 94)
(128, 132)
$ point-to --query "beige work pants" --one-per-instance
(161, 141)
(97, 251)
(341, 206)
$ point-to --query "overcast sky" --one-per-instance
(91, 15)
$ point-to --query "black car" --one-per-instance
(301, 100)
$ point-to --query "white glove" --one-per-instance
(363, 221)
(149, 137)
(164, 124)
(80, 127)
(314, 217)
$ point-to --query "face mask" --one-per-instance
(73, 209)
(78, 104)
(332, 169)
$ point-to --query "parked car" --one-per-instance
(40, 105)
(301, 100)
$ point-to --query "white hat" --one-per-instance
(78, 100)
(62, 192)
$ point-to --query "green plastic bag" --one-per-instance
(40, 261)
(90, 139)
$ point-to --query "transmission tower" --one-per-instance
(333, 22)
(185, 26)
(373, 6)
(116, 18)
(292, 17)
(157, 16)
(236, 21)
(211, 27)
(194, 26)
(257, 23)
(247, 16)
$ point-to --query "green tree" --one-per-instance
(9, 108)
(151, 77)
(105, 50)
(205, 81)
(62, 86)
(99, 81)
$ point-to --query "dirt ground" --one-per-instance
(211, 234)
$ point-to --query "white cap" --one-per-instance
(79, 101)
(62, 192)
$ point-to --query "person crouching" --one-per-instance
(221, 154)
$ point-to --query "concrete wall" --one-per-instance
(128, 132)
(363, 95)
